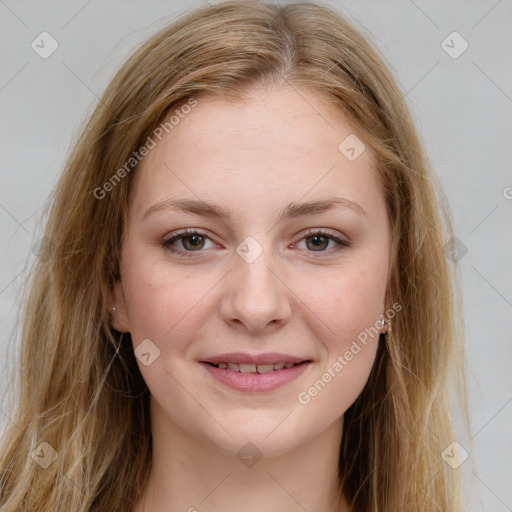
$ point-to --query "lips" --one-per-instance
(255, 372)
(257, 359)
(253, 368)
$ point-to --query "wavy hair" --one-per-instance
(79, 388)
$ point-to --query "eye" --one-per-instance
(190, 239)
(193, 241)
(318, 241)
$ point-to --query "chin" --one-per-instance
(243, 445)
(269, 436)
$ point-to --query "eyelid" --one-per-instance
(341, 240)
(325, 232)
(166, 243)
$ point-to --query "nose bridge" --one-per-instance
(256, 296)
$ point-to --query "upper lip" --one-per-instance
(240, 357)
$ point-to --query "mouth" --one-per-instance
(255, 368)
(255, 373)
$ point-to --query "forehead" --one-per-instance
(276, 145)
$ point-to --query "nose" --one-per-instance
(257, 299)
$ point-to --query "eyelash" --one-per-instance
(167, 244)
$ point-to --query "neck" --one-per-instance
(192, 475)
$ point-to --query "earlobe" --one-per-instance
(117, 308)
(385, 322)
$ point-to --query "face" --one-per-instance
(268, 281)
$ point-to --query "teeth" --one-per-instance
(247, 368)
(265, 368)
(253, 368)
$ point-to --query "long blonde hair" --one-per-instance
(79, 387)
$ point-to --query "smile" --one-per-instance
(253, 368)
(255, 374)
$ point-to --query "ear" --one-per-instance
(117, 300)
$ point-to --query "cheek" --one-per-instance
(346, 313)
(344, 308)
(164, 304)
(166, 307)
(345, 302)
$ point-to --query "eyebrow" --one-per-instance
(292, 211)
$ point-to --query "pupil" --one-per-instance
(318, 240)
(194, 240)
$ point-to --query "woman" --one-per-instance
(247, 301)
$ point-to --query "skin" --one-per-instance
(254, 157)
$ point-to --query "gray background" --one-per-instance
(462, 106)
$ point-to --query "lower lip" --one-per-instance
(256, 381)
